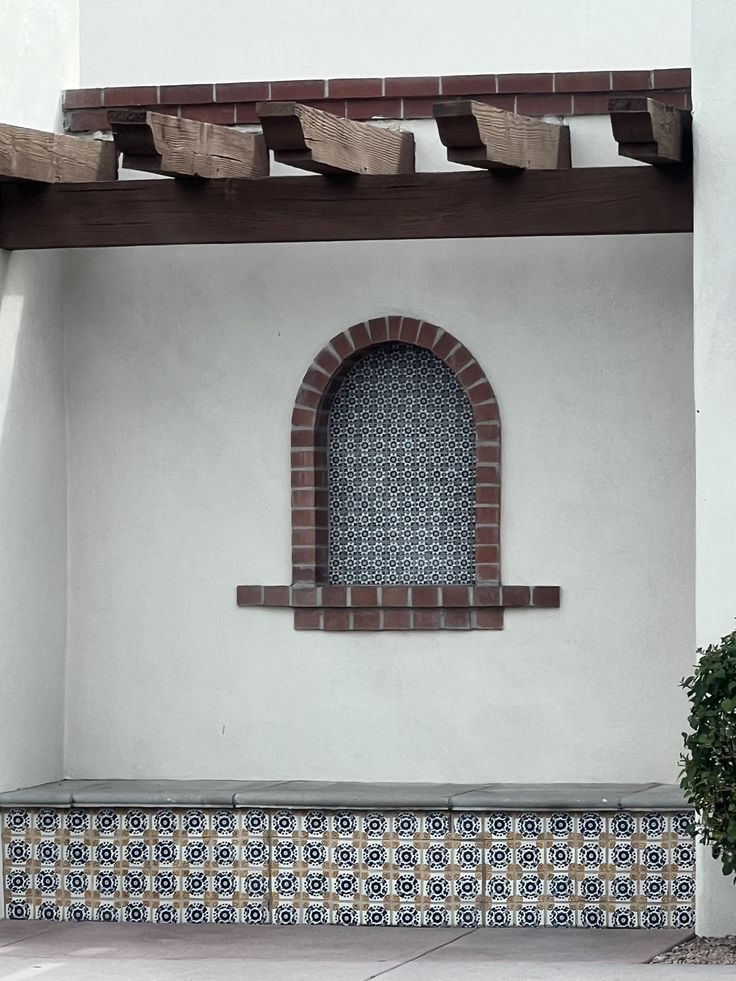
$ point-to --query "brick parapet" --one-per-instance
(231, 103)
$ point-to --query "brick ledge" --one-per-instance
(401, 597)
(382, 608)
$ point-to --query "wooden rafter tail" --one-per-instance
(651, 131)
(479, 135)
(53, 158)
(160, 144)
(314, 140)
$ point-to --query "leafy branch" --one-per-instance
(708, 774)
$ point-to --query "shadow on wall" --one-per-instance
(11, 314)
(32, 520)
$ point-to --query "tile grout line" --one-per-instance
(270, 868)
(424, 953)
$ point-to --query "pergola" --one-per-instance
(61, 191)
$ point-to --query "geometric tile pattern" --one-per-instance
(136, 865)
(401, 472)
(408, 868)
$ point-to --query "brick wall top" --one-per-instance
(230, 103)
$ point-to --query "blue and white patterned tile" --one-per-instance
(300, 873)
(366, 867)
(250, 835)
(407, 867)
(386, 404)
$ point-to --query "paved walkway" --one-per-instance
(97, 951)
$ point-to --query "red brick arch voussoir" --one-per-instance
(309, 518)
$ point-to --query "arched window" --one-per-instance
(400, 472)
(396, 488)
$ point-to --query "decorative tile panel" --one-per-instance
(137, 865)
(402, 868)
(401, 469)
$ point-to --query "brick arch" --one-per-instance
(309, 426)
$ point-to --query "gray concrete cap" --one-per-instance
(546, 796)
(157, 793)
(348, 794)
(659, 797)
(55, 794)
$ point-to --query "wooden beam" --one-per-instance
(651, 131)
(160, 144)
(579, 201)
(312, 139)
(479, 135)
(51, 158)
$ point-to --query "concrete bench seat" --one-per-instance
(349, 794)
(345, 853)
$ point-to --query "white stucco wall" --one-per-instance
(128, 42)
(39, 56)
(183, 365)
(714, 37)
(32, 520)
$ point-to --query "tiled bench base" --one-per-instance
(612, 868)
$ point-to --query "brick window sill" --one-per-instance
(350, 608)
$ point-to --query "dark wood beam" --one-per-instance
(651, 131)
(50, 158)
(479, 135)
(160, 144)
(596, 201)
(314, 140)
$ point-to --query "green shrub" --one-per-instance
(708, 774)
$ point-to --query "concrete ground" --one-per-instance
(96, 951)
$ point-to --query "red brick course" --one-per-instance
(544, 105)
(186, 93)
(315, 88)
(468, 84)
(526, 83)
(142, 95)
(636, 81)
(243, 92)
(86, 120)
(399, 597)
(355, 88)
(583, 82)
(397, 619)
(412, 86)
(670, 78)
(381, 608)
(83, 98)
(564, 93)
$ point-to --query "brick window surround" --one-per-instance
(319, 606)
(309, 426)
